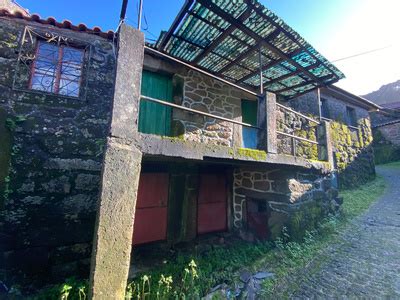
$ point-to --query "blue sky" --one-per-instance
(337, 29)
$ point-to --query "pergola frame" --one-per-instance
(294, 75)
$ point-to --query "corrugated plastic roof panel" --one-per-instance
(226, 38)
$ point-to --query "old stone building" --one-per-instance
(386, 130)
(214, 154)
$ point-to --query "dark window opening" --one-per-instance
(57, 69)
(325, 109)
(351, 116)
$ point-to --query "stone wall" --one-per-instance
(296, 199)
(294, 124)
(352, 145)
(211, 96)
(47, 219)
(386, 143)
(353, 153)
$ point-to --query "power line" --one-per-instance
(362, 53)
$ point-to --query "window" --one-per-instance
(57, 69)
(351, 116)
(249, 115)
(325, 108)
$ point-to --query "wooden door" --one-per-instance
(257, 218)
(212, 204)
(151, 208)
(155, 118)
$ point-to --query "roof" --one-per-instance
(387, 123)
(392, 105)
(65, 24)
(351, 98)
(227, 38)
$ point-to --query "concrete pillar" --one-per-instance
(112, 241)
(267, 138)
(325, 148)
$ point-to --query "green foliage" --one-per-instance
(358, 200)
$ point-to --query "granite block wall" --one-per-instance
(291, 196)
(211, 96)
(55, 146)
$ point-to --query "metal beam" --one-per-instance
(271, 65)
(199, 70)
(218, 11)
(297, 113)
(222, 36)
(216, 54)
(177, 21)
(196, 111)
(247, 53)
(296, 137)
(290, 35)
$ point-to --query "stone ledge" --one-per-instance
(153, 146)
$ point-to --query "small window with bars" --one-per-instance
(57, 69)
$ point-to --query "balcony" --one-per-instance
(220, 125)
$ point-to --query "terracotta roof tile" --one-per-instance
(67, 24)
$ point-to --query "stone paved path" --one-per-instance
(365, 263)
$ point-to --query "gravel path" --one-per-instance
(365, 263)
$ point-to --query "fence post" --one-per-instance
(112, 242)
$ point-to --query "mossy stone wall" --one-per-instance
(47, 218)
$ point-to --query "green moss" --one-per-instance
(258, 155)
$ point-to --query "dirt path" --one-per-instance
(365, 263)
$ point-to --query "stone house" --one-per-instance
(386, 131)
(216, 155)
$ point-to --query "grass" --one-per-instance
(395, 164)
(358, 200)
(223, 263)
(292, 258)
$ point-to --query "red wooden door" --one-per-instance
(211, 212)
(151, 208)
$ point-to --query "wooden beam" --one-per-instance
(175, 24)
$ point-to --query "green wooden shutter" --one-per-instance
(155, 118)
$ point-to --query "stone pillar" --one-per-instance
(267, 138)
(325, 148)
(112, 241)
